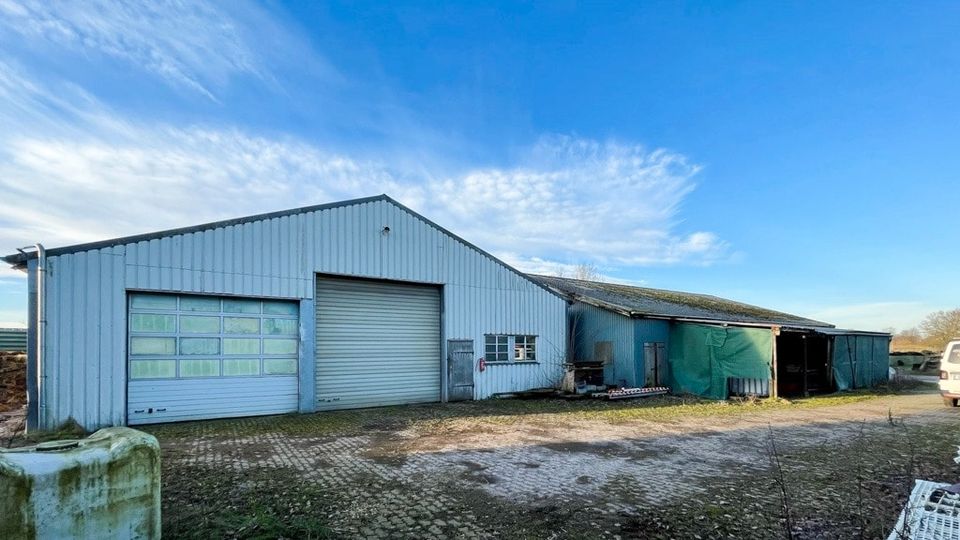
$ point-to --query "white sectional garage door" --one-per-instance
(198, 357)
(377, 343)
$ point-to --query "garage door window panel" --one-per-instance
(200, 346)
(233, 305)
(152, 346)
(241, 325)
(200, 303)
(241, 367)
(153, 323)
(200, 368)
(279, 346)
(289, 327)
(154, 301)
(153, 369)
(188, 337)
(238, 346)
(280, 308)
(279, 366)
(195, 324)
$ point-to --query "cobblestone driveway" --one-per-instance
(474, 470)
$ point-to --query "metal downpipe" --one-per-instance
(41, 324)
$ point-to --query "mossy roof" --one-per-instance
(644, 301)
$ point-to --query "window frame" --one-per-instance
(528, 341)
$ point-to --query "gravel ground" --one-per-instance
(662, 468)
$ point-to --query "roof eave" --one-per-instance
(18, 258)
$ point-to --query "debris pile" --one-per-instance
(13, 381)
(932, 512)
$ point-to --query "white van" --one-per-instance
(950, 374)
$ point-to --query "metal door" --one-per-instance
(655, 364)
(460, 369)
(378, 343)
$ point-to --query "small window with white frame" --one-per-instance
(525, 348)
(497, 348)
(510, 348)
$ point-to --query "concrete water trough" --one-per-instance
(104, 486)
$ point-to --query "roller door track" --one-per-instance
(201, 357)
(377, 343)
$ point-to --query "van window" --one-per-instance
(954, 355)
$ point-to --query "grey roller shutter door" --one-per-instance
(377, 343)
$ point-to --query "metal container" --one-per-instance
(104, 486)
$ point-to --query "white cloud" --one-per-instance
(193, 45)
(74, 171)
(608, 202)
(536, 265)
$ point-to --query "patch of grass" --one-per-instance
(496, 412)
(827, 501)
(261, 503)
(656, 409)
(67, 430)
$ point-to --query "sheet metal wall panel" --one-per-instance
(306, 364)
(592, 325)
(13, 339)
(87, 327)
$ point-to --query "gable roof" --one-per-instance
(18, 260)
(658, 303)
(22, 257)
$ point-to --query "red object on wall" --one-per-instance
(482, 364)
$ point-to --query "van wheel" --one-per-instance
(950, 402)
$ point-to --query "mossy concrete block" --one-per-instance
(104, 486)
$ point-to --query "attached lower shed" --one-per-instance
(13, 339)
(355, 304)
(711, 346)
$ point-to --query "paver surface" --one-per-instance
(444, 470)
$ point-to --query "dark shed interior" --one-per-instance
(803, 364)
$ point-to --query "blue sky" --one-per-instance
(798, 156)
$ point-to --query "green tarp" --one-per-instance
(703, 357)
(860, 361)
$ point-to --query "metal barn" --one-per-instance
(13, 339)
(354, 304)
(711, 346)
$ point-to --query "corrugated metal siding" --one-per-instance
(377, 343)
(591, 325)
(214, 397)
(13, 339)
(85, 349)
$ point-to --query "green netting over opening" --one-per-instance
(860, 361)
(703, 357)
